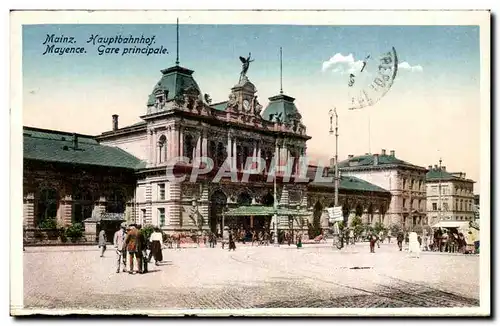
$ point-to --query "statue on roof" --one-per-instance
(245, 64)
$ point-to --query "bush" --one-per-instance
(395, 229)
(357, 225)
(74, 232)
(379, 226)
(48, 223)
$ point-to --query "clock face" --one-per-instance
(376, 76)
(246, 105)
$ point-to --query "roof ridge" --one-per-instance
(53, 131)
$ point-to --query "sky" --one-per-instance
(432, 110)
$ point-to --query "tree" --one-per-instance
(357, 225)
(395, 229)
(379, 226)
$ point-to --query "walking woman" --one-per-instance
(156, 240)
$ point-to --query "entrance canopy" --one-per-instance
(451, 224)
(259, 210)
(108, 217)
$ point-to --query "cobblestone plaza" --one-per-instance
(315, 276)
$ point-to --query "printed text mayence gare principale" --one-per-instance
(103, 45)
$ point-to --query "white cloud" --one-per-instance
(342, 64)
(406, 66)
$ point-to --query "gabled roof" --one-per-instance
(57, 146)
(367, 161)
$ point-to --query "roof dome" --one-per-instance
(281, 108)
(174, 81)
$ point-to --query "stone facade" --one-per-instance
(457, 197)
(405, 182)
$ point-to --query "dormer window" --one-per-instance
(161, 98)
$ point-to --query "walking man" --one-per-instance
(119, 244)
(102, 241)
(400, 239)
(131, 243)
(142, 254)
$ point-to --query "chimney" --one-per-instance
(375, 159)
(332, 162)
(115, 122)
(393, 153)
(75, 141)
(367, 154)
(350, 156)
(383, 152)
(435, 167)
(430, 167)
(443, 168)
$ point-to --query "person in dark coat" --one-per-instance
(142, 247)
(232, 244)
(131, 243)
(400, 239)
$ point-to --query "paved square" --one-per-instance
(251, 277)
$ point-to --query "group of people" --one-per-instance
(131, 240)
(452, 241)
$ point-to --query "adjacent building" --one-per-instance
(404, 181)
(457, 200)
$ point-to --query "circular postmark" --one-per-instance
(373, 81)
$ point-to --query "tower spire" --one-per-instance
(281, 70)
(177, 58)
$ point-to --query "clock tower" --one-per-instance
(242, 100)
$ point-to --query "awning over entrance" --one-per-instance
(259, 210)
(108, 217)
(451, 224)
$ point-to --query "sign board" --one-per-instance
(335, 214)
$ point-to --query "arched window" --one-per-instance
(212, 151)
(162, 149)
(221, 154)
(246, 154)
(188, 147)
(239, 156)
(269, 158)
(48, 202)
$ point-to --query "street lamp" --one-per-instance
(275, 202)
(334, 113)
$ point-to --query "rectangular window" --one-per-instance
(143, 216)
(161, 191)
(404, 203)
(434, 206)
(161, 216)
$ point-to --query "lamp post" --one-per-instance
(275, 203)
(440, 215)
(334, 113)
